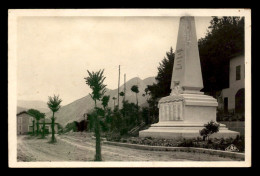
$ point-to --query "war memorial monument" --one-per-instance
(185, 111)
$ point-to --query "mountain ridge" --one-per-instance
(33, 104)
(75, 110)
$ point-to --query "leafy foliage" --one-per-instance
(210, 128)
(225, 39)
(105, 100)
(122, 94)
(54, 103)
(217, 144)
(95, 81)
(135, 89)
(37, 115)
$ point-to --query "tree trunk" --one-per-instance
(98, 144)
(33, 127)
(136, 100)
(52, 129)
(43, 129)
(114, 104)
(37, 127)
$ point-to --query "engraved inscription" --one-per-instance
(171, 111)
(178, 59)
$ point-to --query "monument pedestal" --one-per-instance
(184, 115)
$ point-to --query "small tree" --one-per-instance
(43, 125)
(105, 100)
(122, 94)
(95, 81)
(209, 129)
(54, 105)
(114, 98)
(33, 121)
(135, 89)
(37, 115)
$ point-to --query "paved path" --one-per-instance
(75, 148)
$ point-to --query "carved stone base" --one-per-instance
(171, 130)
(183, 115)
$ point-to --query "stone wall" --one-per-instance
(238, 126)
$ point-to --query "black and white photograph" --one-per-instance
(129, 87)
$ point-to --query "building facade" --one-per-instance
(24, 121)
(47, 125)
(26, 124)
(232, 99)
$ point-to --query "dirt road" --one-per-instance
(82, 148)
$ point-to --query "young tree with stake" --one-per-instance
(135, 89)
(54, 105)
(95, 81)
(37, 115)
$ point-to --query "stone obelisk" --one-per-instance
(185, 111)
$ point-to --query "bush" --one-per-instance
(123, 131)
(186, 143)
(210, 128)
(113, 137)
(217, 144)
(239, 142)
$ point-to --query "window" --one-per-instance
(238, 71)
(226, 104)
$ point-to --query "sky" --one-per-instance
(54, 53)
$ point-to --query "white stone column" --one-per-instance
(175, 112)
(171, 112)
(167, 112)
(163, 112)
(178, 111)
(181, 111)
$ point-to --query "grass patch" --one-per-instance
(216, 144)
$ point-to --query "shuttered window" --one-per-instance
(238, 72)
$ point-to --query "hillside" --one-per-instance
(76, 109)
(20, 109)
(39, 105)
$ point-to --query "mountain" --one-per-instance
(20, 109)
(75, 110)
(26, 104)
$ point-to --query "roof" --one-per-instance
(23, 112)
(236, 54)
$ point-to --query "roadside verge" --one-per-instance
(180, 149)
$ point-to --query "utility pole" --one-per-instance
(124, 95)
(118, 88)
(124, 86)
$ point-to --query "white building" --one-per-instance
(233, 97)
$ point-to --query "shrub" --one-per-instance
(239, 142)
(186, 143)
(210, 128)
(123, 131)
(113, 137)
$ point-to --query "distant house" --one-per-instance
(47, 125)
(24, 122)
(232, 99)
